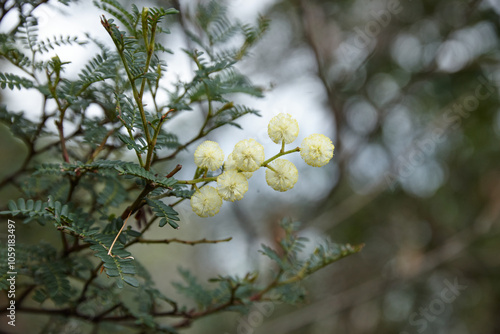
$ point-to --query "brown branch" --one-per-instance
(138, 203)
(65, 311)
(60, 129)
(174, 171)
(49, 146)
(175, 240)
(64, 242)
(189, 316)
(25, 294)
(196, 315)
(101, 146)
(93, 275)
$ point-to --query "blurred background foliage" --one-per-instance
(412, 87)
(409, 93)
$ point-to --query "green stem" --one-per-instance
(201, 179)
(210, 112)
(269, 287)
(139, 157)
(150, 46)
(271, 168)
(280, 154)
(62, 109)
(130, 134)
(177, 202)
(214, 178)
(152, 145)
(136, 93)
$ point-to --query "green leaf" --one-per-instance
(131, 144)
(193, 289)
(166, 212)
(138, 171)
(131, 280)
(40, 295)
(167, 140)
(182, 191)
(113, 193)
(119, 264)
(50, 44)
(99, 68)
(54, 277)
(14, 81)
(272, 255)
(133, 233)
(12, 206)
(32, 209)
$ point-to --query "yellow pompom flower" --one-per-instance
(283, 127)
(209, 155)
(248, 155)
(282, 176)
(316, 150)
(206, 202)
(230, 164)
(232, 185)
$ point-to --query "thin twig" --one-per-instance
(101, 146)
(185, 242)
(119, 232)
(174, 171)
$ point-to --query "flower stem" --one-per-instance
(201, 179)
(281, 153)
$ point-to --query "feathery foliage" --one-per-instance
(100, 181)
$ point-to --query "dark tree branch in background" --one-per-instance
(175, 240)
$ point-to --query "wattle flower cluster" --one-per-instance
(316, 150)
(248, 156)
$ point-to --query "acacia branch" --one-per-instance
(185, 242)
(101, 146)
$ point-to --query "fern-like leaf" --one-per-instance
(193, 289)
(54, 277)
(99, 68)
(120, 265)
(27, 208)
(28, 33)
(113, 193)
(129, 19)
(131, 144)
(138, 171)
(57, 41)
(14, 81)
(166, 212)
